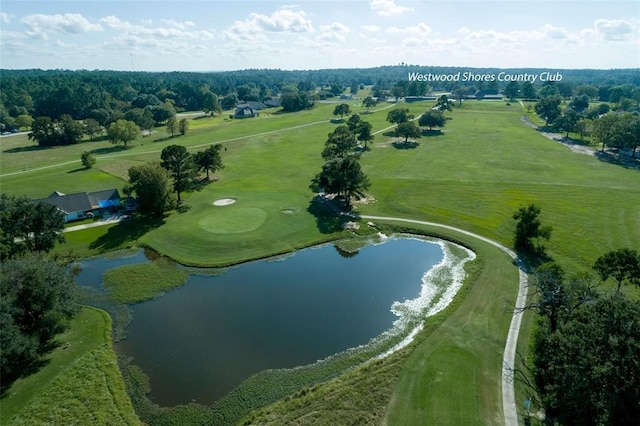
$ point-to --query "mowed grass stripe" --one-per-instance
(453, 377)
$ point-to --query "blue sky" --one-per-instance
(199, 35)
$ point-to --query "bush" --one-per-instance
(87, 159)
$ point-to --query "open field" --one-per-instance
(484, 166)
(80, 383)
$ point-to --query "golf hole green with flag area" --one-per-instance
(245, 220)
(233, 219)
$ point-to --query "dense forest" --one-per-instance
(107, 96)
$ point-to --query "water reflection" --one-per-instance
(203, 339)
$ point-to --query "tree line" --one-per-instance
(616, 126)
(586, 343)
(107, 96)
(37, 294)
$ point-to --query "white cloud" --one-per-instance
(335, 27)
(420, 30)
(334, 32)
(371, 28)
(388, 7)
(176, 30)
(555, 32)
(281, 21)
(614, 29)
(180, 25)
(69, 23)
(5, 18)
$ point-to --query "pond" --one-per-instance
(200, 341)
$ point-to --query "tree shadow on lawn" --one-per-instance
(28, 367)
(29, 148)
(109, 149)
(405, 145)
(618, 159)
(79, 169)
(165, 138)
(127, 231)
(432, 132)
(328, 219)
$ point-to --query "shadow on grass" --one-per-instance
(29, 148)
(165, 138)
(432, 132)
(406, 145)
(627, 162)
(328, 219)
(533, 257)
(27, 367)
(204, 116)
(79, 169)
(109, 149)
(125, 232)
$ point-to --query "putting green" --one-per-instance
(233, 220)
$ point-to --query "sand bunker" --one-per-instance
(224, 202)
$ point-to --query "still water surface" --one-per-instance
(203, 339)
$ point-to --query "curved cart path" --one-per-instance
(509, 356)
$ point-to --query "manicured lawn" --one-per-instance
(80, 384)
(102, 239)
(484, 166)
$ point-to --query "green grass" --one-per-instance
(484, 166)
(80, 384)
(99, 240)
(482, 169)
(137, 283)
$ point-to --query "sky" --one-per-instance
(216, 35)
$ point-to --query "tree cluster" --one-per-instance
(159, 186)
(586, 347)
(64, 131)
(292, 102)
(617, 127)
(617, 131)
(37, 295)
(341, 173)
(28, 226)
(407, 128)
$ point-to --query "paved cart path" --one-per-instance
(509, 356)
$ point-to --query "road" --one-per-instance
(509, 356)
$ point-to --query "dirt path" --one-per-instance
(509, 357)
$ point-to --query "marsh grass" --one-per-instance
(137, 283)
